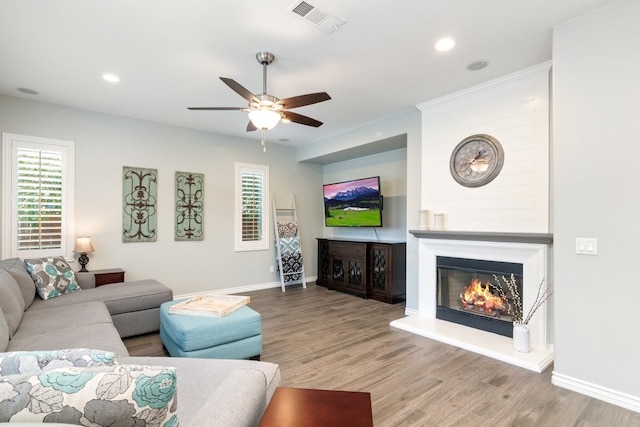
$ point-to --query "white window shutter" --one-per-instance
(37, 196)
(252, 207)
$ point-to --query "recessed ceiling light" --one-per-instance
(445, 44)
(478, 65)
(27, 91)
(111, 78)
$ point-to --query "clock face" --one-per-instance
(476, 160)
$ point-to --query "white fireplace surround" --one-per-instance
(532, 256)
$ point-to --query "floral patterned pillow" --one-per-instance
(30, 362)
(53, 276)
(116, 395)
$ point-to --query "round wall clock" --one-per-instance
(476, 160)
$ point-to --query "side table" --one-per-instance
(302, 407)
(107, 276)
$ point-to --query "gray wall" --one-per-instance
(391, 167)
(105, 143)
(402, 186)
(596, 93)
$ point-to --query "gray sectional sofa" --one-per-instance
(210, 392)
(93, 318)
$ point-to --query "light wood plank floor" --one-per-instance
(328, 340)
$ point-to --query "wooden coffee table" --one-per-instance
(303, 407)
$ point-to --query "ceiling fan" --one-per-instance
(266, 111)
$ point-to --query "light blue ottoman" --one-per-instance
(235, 336)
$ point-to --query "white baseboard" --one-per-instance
(410, 311)
(597, 392)
(241, 289)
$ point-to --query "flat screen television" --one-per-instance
(354, 203)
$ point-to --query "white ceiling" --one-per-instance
(170, 54)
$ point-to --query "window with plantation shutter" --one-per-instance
(252, 207)
(37, 180)
(39, 199)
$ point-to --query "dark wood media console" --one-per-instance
(368, 269)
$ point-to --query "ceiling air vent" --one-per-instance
(310, 13)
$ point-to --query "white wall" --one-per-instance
(596, 75)
(105, 143)
(513, 109)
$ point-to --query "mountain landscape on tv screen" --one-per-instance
(356, 193)
(353, 207)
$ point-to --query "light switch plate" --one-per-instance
(586, 246)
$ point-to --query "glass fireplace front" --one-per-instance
(467, 293)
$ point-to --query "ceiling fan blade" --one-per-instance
(251, 127)
(217, 108)
(239, 89)
(302, 100)
(299, 118)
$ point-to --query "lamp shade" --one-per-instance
(83, 244)
(264, 118)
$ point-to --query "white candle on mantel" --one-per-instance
(425, 220)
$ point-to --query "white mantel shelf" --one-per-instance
(485, 236)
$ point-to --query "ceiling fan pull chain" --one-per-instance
(264, 145)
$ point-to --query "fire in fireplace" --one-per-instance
(469, 294)
(483, 299)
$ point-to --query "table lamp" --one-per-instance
(83, 245)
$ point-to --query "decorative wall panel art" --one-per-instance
(189, 206)
(140, 195)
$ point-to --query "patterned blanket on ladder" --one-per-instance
(290, 251)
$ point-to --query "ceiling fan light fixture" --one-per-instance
(264, 110)
(264, 119)
(267, 101)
